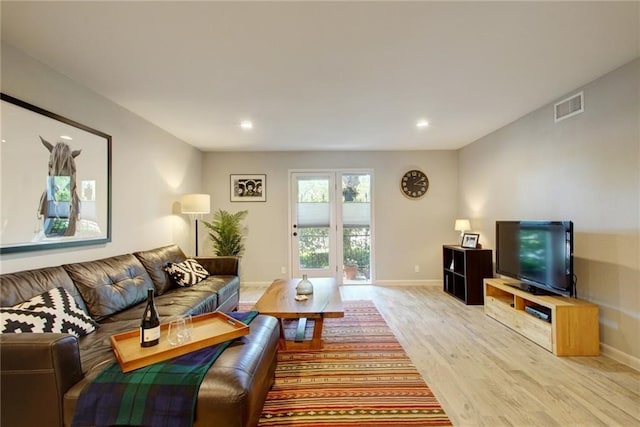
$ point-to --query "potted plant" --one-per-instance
(349, 194)
(350, 269)
(226, 232)
(350, 190)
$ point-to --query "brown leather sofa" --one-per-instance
(42, 374)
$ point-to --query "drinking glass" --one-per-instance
(188, 327)
(176, 333)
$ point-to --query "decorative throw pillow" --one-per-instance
(53, 311)
(186, 273)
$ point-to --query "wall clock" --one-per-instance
(414, 184)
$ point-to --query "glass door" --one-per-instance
(313, 228)
(331, 225)
(355, 227)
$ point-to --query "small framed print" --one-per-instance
(470, 240)
(248, 188)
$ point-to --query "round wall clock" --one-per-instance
(414, 184)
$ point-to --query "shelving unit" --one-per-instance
(572, 331)
(463, 271)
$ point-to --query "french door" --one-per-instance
(331, 225)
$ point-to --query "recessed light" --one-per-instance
(66, 137)
(422, 123)
(246, 124)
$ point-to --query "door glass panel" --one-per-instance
(356, 227)
(313, 219)
(314, 247)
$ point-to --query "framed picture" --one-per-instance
(248, 188)
(470, 240)
(55, 179)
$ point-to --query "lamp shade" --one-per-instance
(196, 204)
(462, 225)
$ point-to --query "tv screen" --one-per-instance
(538, 253)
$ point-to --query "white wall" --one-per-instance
(407, 232)
(150, 168)
(585, 169)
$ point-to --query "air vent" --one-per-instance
(569, 107)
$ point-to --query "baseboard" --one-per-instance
(619, 356)
(256, 284)
(409, 282)
(437, 282)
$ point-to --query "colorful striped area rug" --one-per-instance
(361, 377)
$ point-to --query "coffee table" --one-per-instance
(279, 301)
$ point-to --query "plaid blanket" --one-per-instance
(162, 394)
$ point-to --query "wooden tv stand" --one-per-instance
(573, 330)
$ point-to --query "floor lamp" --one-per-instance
(196, 205)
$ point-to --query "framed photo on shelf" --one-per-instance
(56, 180)
(248, 188)
(470, 240)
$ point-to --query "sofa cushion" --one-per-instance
(178, 301)
(23, 285)
(155, 260)
(95, 348)
(225, 286)
(186, 273)
(111, 284)
(52, 311)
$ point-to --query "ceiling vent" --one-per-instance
(569, 107)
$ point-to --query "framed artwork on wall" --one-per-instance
(470, 240)
(55, 179)
(248, 188)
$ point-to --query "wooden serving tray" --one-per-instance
(208, 329)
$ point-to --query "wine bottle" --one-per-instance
(150, 325)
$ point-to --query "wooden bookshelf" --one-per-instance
(463, 271)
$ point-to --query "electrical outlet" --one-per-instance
(416, 268)
(283, 270)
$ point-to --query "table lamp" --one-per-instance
(462, 225)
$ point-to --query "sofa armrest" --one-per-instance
(221, 265)
(36, 369)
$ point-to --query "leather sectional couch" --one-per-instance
(42, 374)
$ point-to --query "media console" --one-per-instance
(564, 326)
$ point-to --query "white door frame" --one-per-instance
(336, 219)
(294, 267)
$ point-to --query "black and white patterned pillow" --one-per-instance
(53, 311)
(186, 273)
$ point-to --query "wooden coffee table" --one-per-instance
(279, 301)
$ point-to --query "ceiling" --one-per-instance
(327, 75)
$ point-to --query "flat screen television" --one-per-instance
(539, 254)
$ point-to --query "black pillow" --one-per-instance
(52, 311)
(186, 273)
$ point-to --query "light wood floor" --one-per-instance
(484, 374)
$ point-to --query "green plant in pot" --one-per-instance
(350, 269)
(226, 232)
